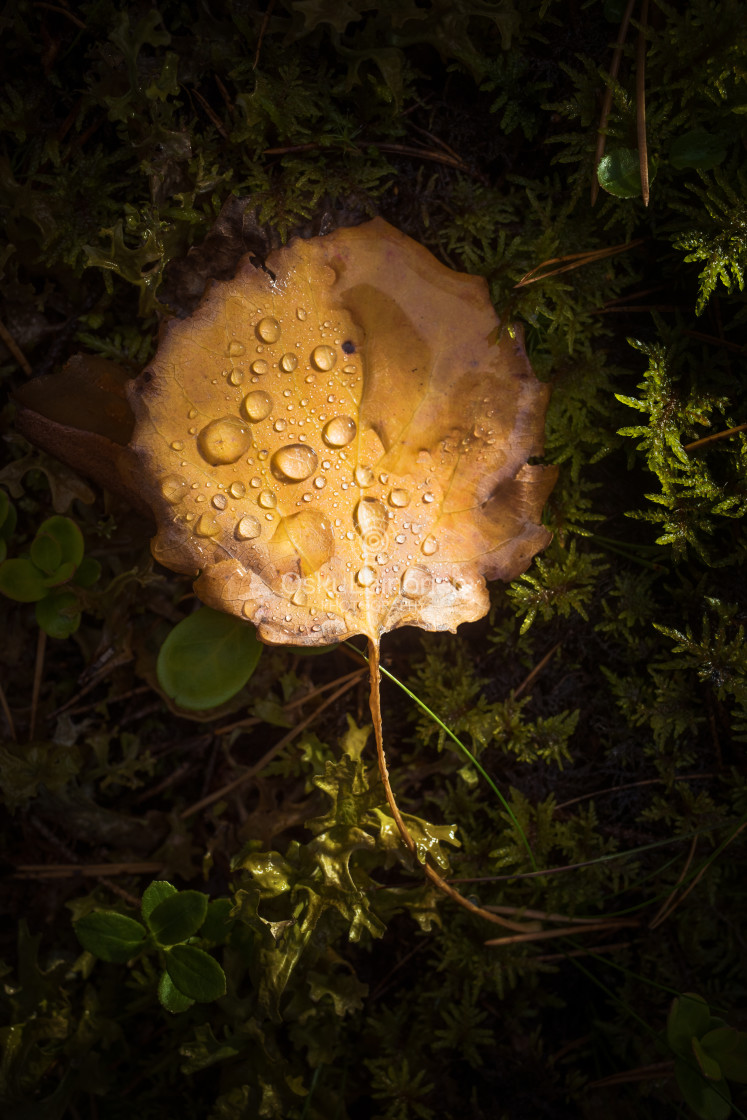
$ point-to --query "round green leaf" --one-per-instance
(619, 173)
(21, 580)
(171, 998)
(729, 1048)
(158, 890)
(195, 973)
(110, 936)
(217, 924)
(63, 574)
(698, 148)
(68, 537)
(178, 917)
(46, 553)
(87, 572)
(689, 1017)
(709, 1101)
(207, 658)
(58, 614)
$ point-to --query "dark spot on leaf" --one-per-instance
(348, 347)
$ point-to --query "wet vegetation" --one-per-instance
(575, 761)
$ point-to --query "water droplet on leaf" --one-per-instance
(224, 441)
(294, 463)
(339, 431)
(256, 406)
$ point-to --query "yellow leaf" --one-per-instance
(338, 444)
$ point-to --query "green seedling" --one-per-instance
(709, 1054)
(176, 925)
(49, 574)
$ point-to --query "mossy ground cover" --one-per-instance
(605, 697)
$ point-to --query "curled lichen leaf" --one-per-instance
(338, 444)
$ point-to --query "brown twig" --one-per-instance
(213, 116)
(550, 958)
(63, 12)
(699, 876)
(262, 30)
(631, 785)
(267, 757)
(90, 870)
(607, 101)
(41, 645)
(575, 260)
(546, 934)
(712, 438)
(668, 904)
(715, 340)
(640, 103)
(430, 872)
(7, 713)
(252, 721)
(535, 671)
(15, 349)
(643, 1073)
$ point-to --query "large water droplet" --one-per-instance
(339, 431)
(428, 498)
(259, 367)
(429, 546)
(399, 498)
(363, 476)
(365, 577)
(256, 406)
(224, 440)
(267, 499)
(416, 582)
(235, 348)
(247, 529)
(310, 534)
(300, 598)
(294, 463)
(300, 314)
(173, 488)
(268, 330)
(207, 526)
(235, 377)
(371, 521)
(280, 425)
(237, 489)
(320, 482)
(178, 445)
(323, 357)
(288, 363)
(219, 501)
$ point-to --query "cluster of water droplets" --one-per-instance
(289, 431)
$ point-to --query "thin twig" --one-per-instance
(7, 713)
(607, 101)
(213, 116)
(575, 260)
(41, 645)
(716, 435)
(218, 794)
(550, 958)
(543, 915)
(15, 349)
(631, 785)
(668, 904)
(716, 341)
(263, 28)
(430, 872)
(640, 103)
(701, 873)
(251, 721)
(63, 12)
(92, 870)
(535, 671)
(643, 1073)
(546, 934)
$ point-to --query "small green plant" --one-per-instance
(172, 921)
(50, 574)
(207, 658)
(709, 1054)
